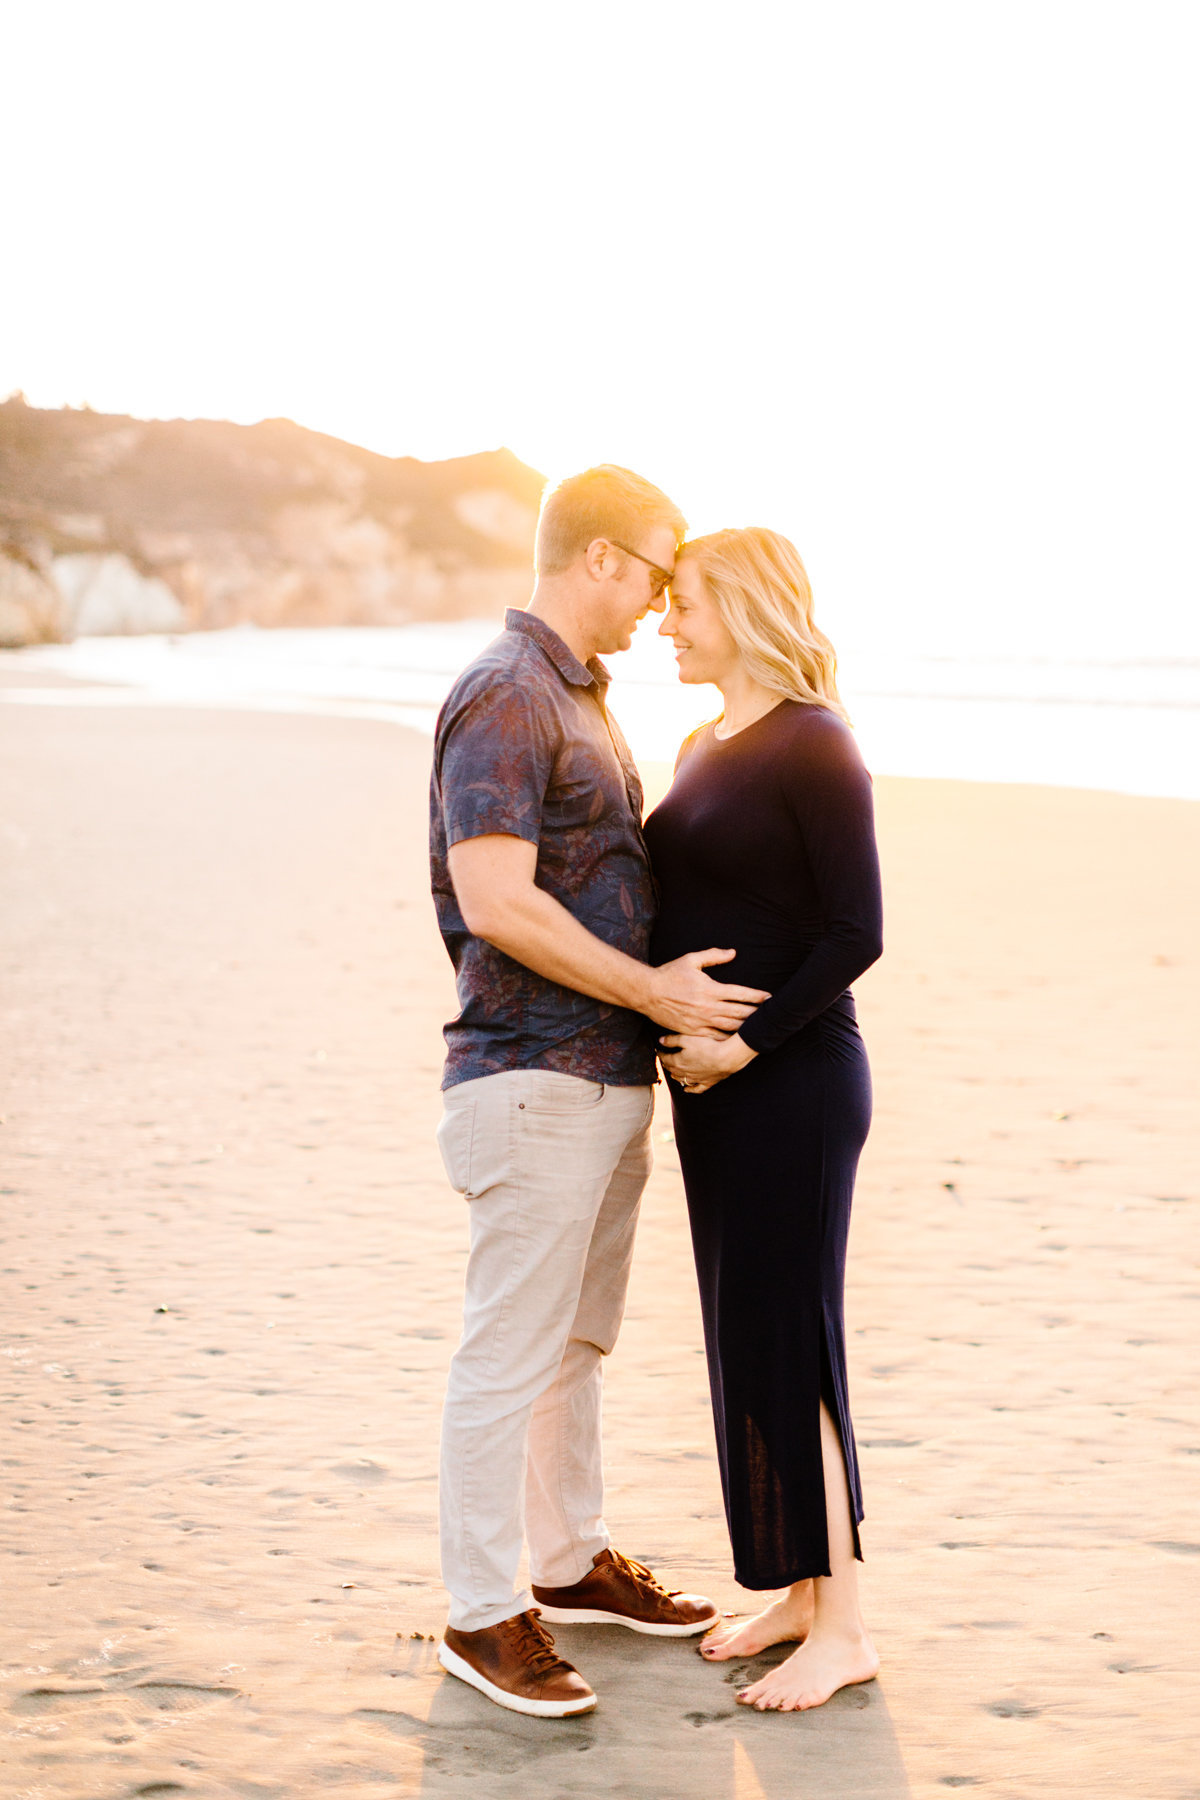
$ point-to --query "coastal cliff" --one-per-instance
(111, 524)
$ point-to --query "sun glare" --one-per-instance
(912, 294)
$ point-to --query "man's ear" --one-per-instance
(600, 559)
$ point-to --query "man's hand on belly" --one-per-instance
(683, 998)
(494, 880)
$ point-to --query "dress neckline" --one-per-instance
(731, 736)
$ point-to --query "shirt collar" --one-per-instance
(592, 674)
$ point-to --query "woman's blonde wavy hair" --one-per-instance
(762, 592)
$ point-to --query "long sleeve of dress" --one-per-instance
(829, 797)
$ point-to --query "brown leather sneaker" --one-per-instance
(515, 1664)
(619, 1591)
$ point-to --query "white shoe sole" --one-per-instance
(541, 1709)
(586, 1615)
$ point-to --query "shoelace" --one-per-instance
(534, 1645)
(644, 1577)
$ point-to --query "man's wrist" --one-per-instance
(647, 985)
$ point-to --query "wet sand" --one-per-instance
(232, 1268)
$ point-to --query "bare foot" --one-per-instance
(785, 1621)
(811, 1674)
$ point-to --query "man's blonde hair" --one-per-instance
(762, 592)
(604, 502)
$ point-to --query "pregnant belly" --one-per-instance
(758, 965)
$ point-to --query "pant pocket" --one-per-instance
(490, 1148)
(476, 1134)
(548, 1091)
(454, 1141)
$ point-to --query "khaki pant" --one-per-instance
(553, 1169)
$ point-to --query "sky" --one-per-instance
(914, 283)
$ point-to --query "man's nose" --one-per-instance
(659, 602)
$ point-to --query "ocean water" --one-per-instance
(1131, 727)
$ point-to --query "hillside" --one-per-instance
(112, 524)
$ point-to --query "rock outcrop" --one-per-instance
(110, 524)
(106, 596)
(31, 607)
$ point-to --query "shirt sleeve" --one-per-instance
(828, 793)
(495, 758)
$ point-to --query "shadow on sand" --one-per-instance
(667, 1726)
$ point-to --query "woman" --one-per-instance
(766, 842)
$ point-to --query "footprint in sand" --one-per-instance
(45, 1699)
(164, 1696)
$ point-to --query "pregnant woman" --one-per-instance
(765, 844)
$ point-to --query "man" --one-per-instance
(545, 901)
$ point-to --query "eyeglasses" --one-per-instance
(659, 576)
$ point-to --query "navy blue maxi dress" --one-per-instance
(765, 844)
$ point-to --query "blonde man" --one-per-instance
(545, 903)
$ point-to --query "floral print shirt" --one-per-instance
(525, 747)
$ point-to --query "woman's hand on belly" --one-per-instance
(698, 1063)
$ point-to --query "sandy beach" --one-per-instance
(232, 1274)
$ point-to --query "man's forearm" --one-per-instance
(536, 930)
(500, 901)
